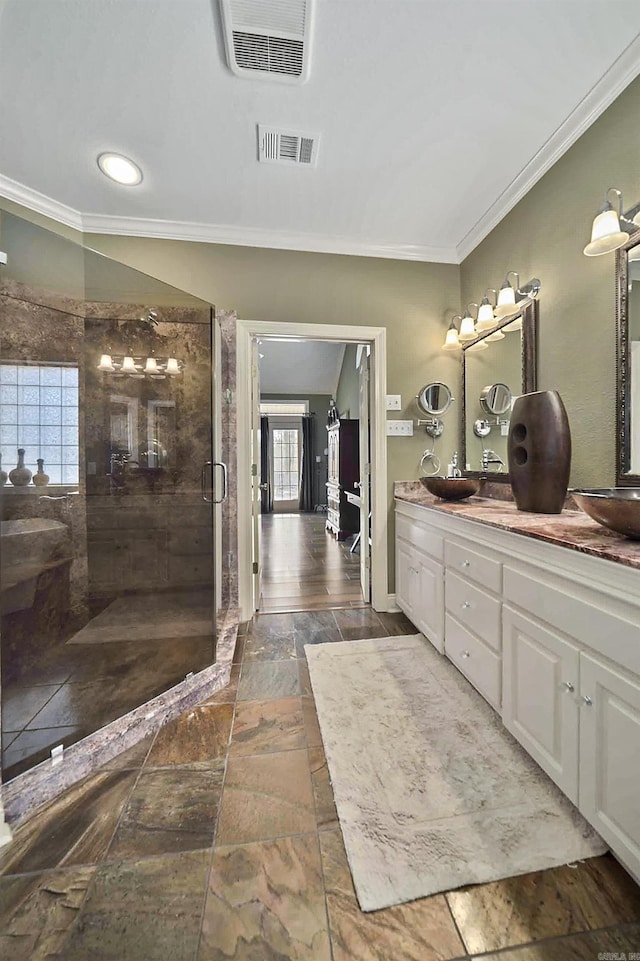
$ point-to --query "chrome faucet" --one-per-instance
(454, 470)
(66, 499)
(490, 457)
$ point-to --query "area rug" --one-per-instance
(432, 792)
(146, 617)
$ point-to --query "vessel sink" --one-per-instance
(451, 488)
(617, 508)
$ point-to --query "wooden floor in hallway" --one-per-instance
(304, 568)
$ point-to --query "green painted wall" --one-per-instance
(348, 389)
(543, 236)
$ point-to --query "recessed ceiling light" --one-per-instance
(120, 169)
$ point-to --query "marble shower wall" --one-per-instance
(228, 320)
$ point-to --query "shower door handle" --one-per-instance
(203, 481)
(219, 463)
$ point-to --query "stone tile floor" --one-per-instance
(217, 839)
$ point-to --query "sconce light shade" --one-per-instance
(106, 363)
(481, 345)
(507, 296)
(128, 366)
(452, 341)
(151, 366)
(514, 325)
(172, 366)
(605, 233)
(467, 326)
(497, 335)
(486, 319)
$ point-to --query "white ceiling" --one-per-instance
(300, 367)
(435, 116)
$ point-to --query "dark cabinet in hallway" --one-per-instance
(343, 518)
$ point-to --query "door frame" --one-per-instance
(376, 337)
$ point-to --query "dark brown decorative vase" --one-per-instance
(539, 452)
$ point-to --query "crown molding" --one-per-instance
(625, 69)
(257, 237)
(40, 203)
(215, 233)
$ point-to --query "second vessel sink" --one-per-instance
(451, 488)
(617, 508)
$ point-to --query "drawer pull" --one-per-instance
(465, 654)
(569, 686)
(465, 605)
(586, 700)
(465, 564)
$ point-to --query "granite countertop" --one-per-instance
(572, 528)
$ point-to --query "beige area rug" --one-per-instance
(432, 792)
(147, 617)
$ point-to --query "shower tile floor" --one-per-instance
(217, 839)
(96, 676)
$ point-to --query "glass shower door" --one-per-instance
(108, 549)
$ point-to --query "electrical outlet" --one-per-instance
(399, 428)
(394, 402)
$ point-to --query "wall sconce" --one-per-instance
(486, 319)
(481, 345)
(606, 234)
(468, 325)
(452, 341)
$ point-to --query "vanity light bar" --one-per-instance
(140, 367)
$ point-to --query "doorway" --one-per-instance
(310, 527)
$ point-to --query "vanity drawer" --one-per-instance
(476, 609)
(591, 621)
(421, 537)
(477, 567)
(474, 659)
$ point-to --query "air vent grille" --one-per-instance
(253, 51)
(272, 16)
(268, 38)
(287, 147)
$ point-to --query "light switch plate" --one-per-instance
(399, 428)
(394, 402)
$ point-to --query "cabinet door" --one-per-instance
(428, 603)
(610, 757)
(539, 696)
(405, 575)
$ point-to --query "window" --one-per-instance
(286, 478)
(39, 412)
(292, 408)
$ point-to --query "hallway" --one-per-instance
(217, 839)
(304, 568)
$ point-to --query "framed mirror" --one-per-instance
(628, 363)
(494, 371)
(434, 399)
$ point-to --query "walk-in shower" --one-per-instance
(108, 553)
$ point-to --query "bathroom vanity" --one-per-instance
(541, 613)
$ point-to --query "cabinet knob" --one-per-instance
(569, 686)
(465, 563)
(586, 700)
(465, 654)
(465, 605)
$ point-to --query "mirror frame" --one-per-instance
(430, 411)
(529, 312)
(623, 379)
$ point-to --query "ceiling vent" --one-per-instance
(268, 38)
(287, 147)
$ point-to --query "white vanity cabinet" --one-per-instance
(541, 683)
(609, 796)
(419, 578)
(551, 638)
